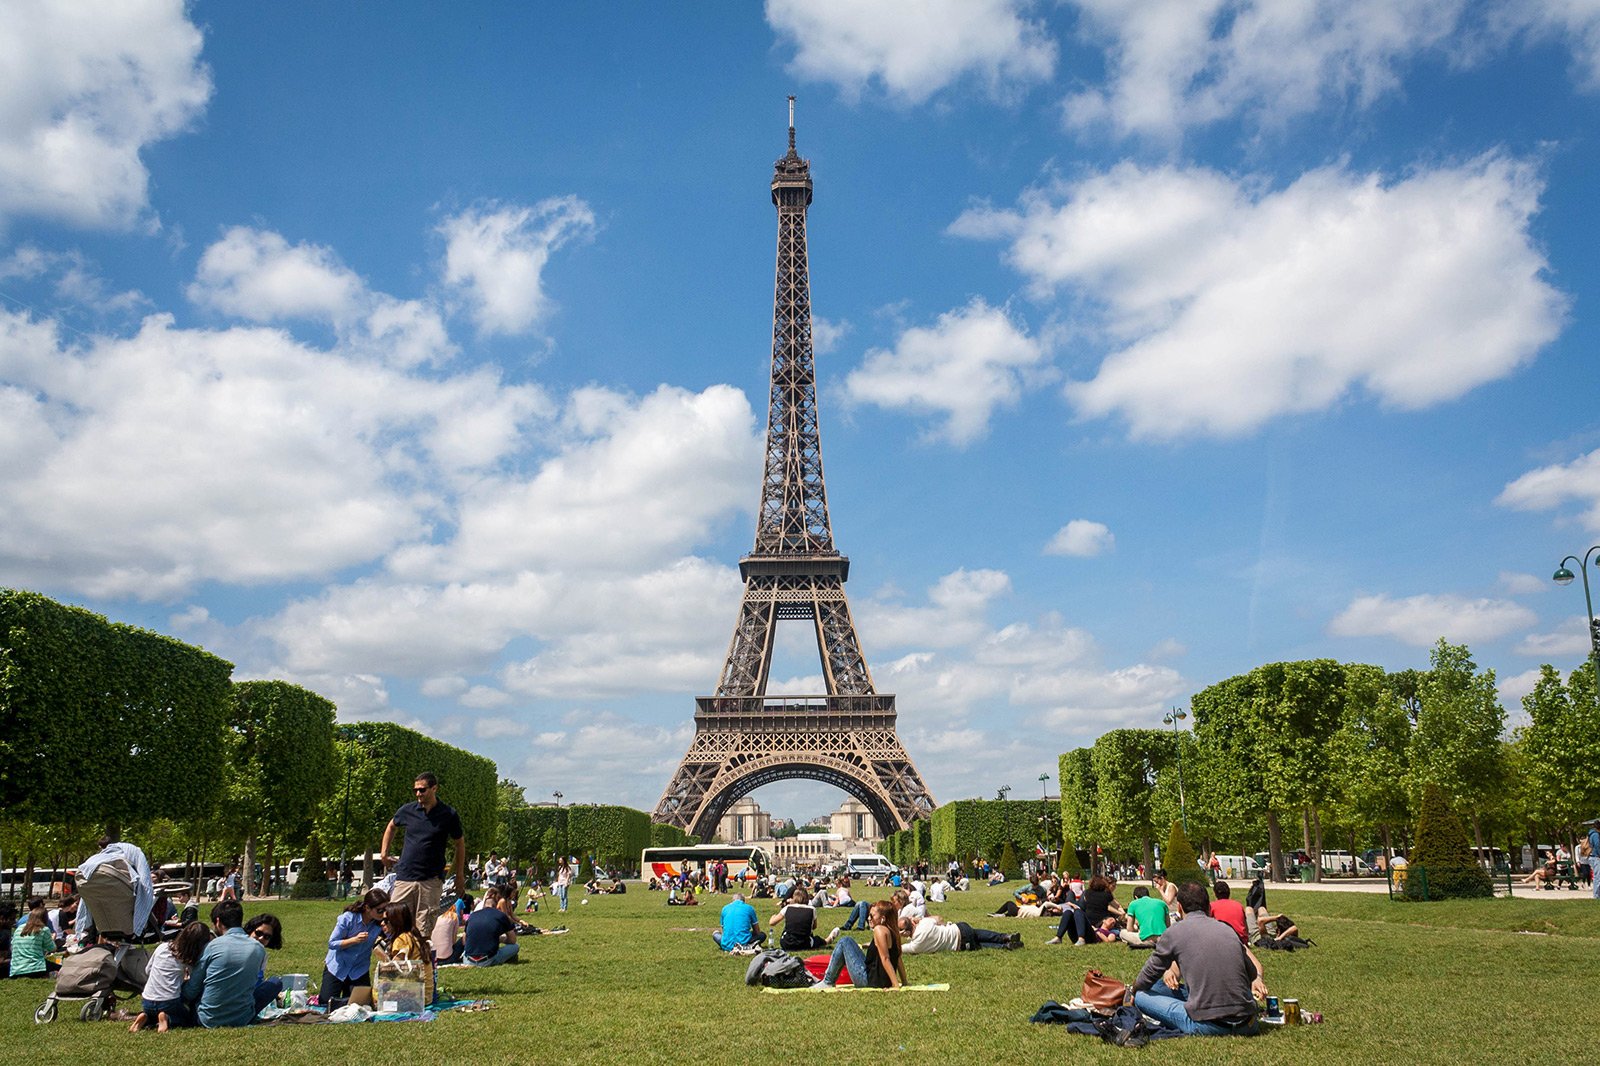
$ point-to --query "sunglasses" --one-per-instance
(424, 788)
(262, 934)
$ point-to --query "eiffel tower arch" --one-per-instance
(845, 737)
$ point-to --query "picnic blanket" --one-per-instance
(857, 988)
(319, 1015)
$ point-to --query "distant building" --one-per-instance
(849, 830)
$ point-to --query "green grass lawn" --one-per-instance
(636, 981)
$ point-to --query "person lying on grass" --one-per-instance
(880, 965)
(931, 933)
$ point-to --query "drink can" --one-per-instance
(1272, 1006)
(1291, 1012)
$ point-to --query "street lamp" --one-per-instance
(1563, 576)
(1000, 793)
(1173, 719)
(344, 832)
(557, 795)
(1044, 793)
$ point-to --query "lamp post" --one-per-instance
(1563, 576)
(1000, 793)
(557, 795)
(1173, 719)
(1044, 792)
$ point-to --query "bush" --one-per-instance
(313, 880)
(1178, 857)
(1441, 865)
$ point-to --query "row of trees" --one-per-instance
(109, 727)
(1342, 752)
(610, 835)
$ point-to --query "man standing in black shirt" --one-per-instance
(419, 875)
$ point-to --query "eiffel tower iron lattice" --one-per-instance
(743, 738)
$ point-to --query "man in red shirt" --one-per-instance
(1229, 910)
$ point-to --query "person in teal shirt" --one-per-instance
(223, 983)
(740, 926)
(1149, 915)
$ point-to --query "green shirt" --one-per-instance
(1151, 914)
(28, 952)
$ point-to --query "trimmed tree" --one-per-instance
(1441, 865)
(313, 880)
(1178, 857)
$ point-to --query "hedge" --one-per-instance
(467, 782)
(613, 836)
(965, 829)
(105, 722)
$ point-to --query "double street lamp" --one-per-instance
(1173, 719)
(1563, 576)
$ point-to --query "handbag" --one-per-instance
(400, 987)
(1102, 992)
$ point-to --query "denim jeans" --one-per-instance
(1594, 876)
(858, 913)
(1074, 925)
(505, 954)
(1168, 1007)
(561, 894)
(847, 956)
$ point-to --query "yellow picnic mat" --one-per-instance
(854, 988)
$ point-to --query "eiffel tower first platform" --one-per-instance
(743, 738)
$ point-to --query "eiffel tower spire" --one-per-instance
(744, 739)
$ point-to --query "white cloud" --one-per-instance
(1572, 23)
(1570, 640)
(444, 687)
(1517, 584)
(1512, 689)
(84, 88)
(914, 48)
(826, 334)
(1230, 304)
(1082, 538)
(495, 728)
(957, 604)
(255, 458)
(495, 255)
(1174, 64)
(972, 361)
(1422, 620)
(601, 758)
(1550, 487)
(257, 275)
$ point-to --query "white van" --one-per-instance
(1342, 862)
(868, 866)
(1240, 867)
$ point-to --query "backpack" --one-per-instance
(775, 968)
(1584, 849)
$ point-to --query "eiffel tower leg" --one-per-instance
(750, 652)
(846, 667)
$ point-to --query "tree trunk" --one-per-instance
(1477, 834)
(1388, 847)
(1149, 857)
(1275, 845)
(1316, 856)
(247, 876)
(267, 867)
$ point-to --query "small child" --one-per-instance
(162, 999)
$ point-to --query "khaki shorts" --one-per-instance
(424, 899)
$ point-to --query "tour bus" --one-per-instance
(46, 882)
(745, 863)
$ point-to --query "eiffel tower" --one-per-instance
(744, 738)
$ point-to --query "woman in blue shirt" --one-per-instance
(349, 961)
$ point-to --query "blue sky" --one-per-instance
(421, 360)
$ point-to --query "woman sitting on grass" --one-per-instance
(799, 920)
(348, 964)
(162, 999)
(31, 945)
(400, 930)
(880, 966)
(267, 931)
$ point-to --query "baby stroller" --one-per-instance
(113, 962)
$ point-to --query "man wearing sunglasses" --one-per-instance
(428, 826)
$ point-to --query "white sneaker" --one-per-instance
(832, 936)
(1053, 940)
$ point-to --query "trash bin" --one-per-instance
(1307, 873)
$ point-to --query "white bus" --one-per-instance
(745, 863)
